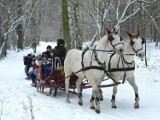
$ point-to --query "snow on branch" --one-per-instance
(130, 16)
(117, 11)
(124, 12)
(16, 23)
(149, 2)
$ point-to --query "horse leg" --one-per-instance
(78, 84)
(113, 96)
(67, 89)
(92, 101)
(132, 82)
(100, 95)
(96, 99)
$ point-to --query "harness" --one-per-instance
(132, 43)
(102, 66)
(124, 69)
(110, 38)
(136, 51)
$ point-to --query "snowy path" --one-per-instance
(15, 90)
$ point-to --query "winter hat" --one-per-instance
(29, 55)
(38, 53)
(49, 47)
(60, 42)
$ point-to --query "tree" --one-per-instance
(10, 22)
(65, 23)
(74, 23)
(19, 27)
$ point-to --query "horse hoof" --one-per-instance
(97, 111)
(114, 106)
(92, 107)
(80, 103)
(136, 107)
(67, 101)
(101, 99)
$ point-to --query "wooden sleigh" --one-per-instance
(56, 80)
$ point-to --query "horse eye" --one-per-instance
(132, 42)
(110, 38)
(143, 40)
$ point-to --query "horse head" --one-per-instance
(115, 40)
(137, 44)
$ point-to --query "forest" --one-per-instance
(23, 23)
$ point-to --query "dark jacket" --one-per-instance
(60, 51)
(46, 54)
(27, 61)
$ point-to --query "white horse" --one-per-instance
(133, 46)
(73, 64)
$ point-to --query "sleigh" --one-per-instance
(56, 80)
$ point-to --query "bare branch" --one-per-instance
(149, 2)
(117, 11)
(129, 16)
(125, 10)
(153, 20)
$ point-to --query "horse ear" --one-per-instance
(108, 31)
(138, 32)
(129, 34)
(114, 29)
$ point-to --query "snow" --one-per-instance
(15, 92)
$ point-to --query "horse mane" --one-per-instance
(103, 40)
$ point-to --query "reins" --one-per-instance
(99, 67)
(85, 69)
(102, 66)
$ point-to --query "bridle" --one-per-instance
(132, 44)
(110, 38)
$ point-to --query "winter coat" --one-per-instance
(60, 51)
(46, 54)
(27, 61)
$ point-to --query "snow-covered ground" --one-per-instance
(15, 92)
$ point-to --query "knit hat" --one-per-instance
(60, 42)
(29, 55)
(49, 47)
(38, 53)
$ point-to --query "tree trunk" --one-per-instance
(65, 23)
(1, 36)
(0, 31)
(132, 19)
(20, 37)
(19, 28)
(141, 25)
(75, 30)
